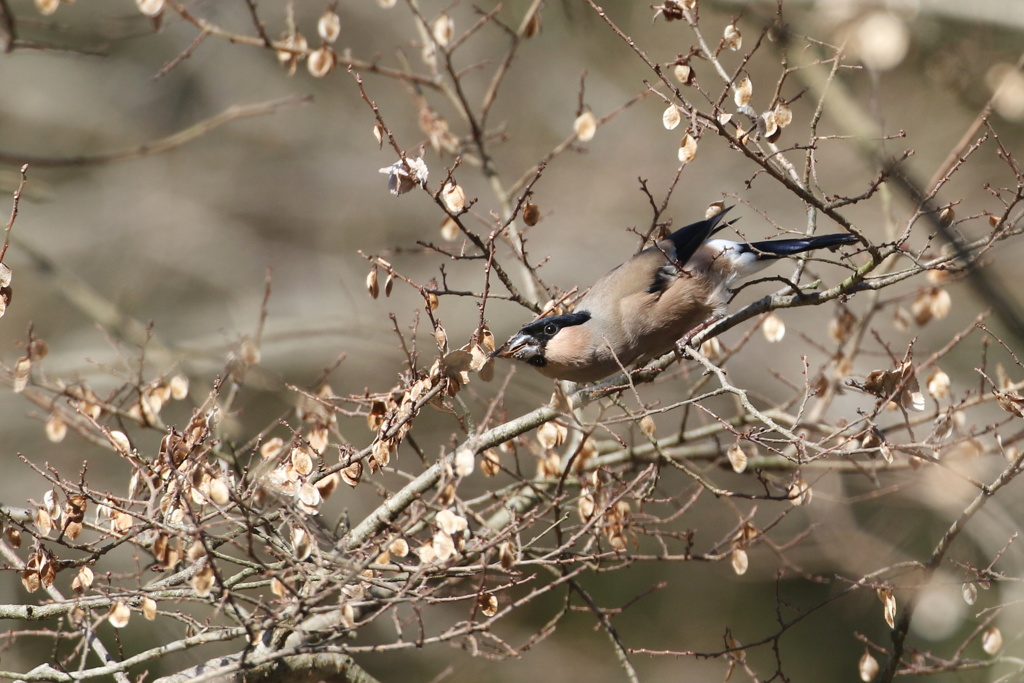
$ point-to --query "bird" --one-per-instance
(640, 309)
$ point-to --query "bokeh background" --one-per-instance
(184, 240)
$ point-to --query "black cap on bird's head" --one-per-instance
(528, 344)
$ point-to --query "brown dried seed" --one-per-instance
(531, 214)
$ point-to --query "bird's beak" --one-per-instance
(519, 347)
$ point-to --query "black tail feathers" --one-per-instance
(781, 248)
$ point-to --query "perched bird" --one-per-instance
(639, 310)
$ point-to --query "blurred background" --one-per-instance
(184, 240)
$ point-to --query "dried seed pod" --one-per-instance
(119, 615)
(465, 460)
(531, 214)
(321, 61)
(684, 74)
(773, 328)
(647, 426)
(454, 197)
(740, 561)
(867, 667)
(800, 492)
(47, 7)
(371, 283)
(490, 464)
(992, 640)
(671, 117)
(731, 38)
(443, 29)
(56, 428)
(687, 149)
(202, 581)
(946, 216)
(888, 605)
(488, 604)
(938, 384)
(783, 114)
(352, 474)
(585, 126)
(449, 229)
(551, 434)
(150, 8)
(22, 370)
(742, 92)
(329, 26)
(737, 458)
(148, 606)
(841, 326)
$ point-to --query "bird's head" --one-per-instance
(530, 344)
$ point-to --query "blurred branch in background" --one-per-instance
(827, 468)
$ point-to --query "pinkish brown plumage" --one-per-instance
(639, 310)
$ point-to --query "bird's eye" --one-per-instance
(550, 329)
